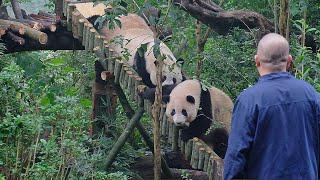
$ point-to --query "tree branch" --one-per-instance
(16, 9)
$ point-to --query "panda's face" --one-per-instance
(181, 109)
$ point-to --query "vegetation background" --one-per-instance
(45, 96)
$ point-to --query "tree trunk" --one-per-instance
(58, 7)
(156, 120)
(275, 14)
(283, 19)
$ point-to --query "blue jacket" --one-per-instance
(275, 131)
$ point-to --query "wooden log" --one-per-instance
(52, 16)
(31, 33)
(123, 138)
(16, 29)
(164, 125)
(183, 143)
(71, 7)
(91, 39)
(75, 24)
(188, 149)
(175, 138)
(131, 86)
(209, 167)
(170, 136)
(201, 158)
(137, 82)
(38, 17)
(16, 38)
(195, 153)
(111, 60)
(81, 29)
(117, 71)
(98, 52)
(208, 153)
(84, 34)
(87, 37)
(125, 78)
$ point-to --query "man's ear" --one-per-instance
(257, 60)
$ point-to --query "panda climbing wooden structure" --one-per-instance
(126, 41)
(188, 104)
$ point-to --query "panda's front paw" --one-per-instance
(185, 136)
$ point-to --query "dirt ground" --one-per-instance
(175, 160)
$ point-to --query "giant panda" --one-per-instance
(135, 32)
(188, 104)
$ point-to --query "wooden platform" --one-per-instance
(195, 151)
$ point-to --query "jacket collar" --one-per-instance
(275, 75)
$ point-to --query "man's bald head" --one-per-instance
(273, 52)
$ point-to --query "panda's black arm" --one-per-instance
(196, 128)
(149, 93)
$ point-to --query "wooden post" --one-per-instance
(175, 146)
(123, 137)
(188, 149)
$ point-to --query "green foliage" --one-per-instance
(45, 120)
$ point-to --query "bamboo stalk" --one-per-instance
(131, 86)
(209, 167)
(87, 37)
(123, 138)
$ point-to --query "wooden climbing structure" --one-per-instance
(125, 80)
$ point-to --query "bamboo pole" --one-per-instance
(137, 82)
(170, 137)
(123, 138)
(164, 125)
(111, 60)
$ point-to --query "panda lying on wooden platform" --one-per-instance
(189, 104)
(133, 33)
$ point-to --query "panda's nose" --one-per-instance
(178, 123)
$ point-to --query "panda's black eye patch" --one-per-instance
(174, 80)
(173, 112)
(164, 78)
(184, 112)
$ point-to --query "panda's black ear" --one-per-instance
(191, 99)
(180, 62)
(166, 99)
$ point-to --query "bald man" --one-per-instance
(275, 123)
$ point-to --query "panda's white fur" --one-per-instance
(210, 105)
(136, 32)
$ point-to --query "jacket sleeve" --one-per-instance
(242, 132)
